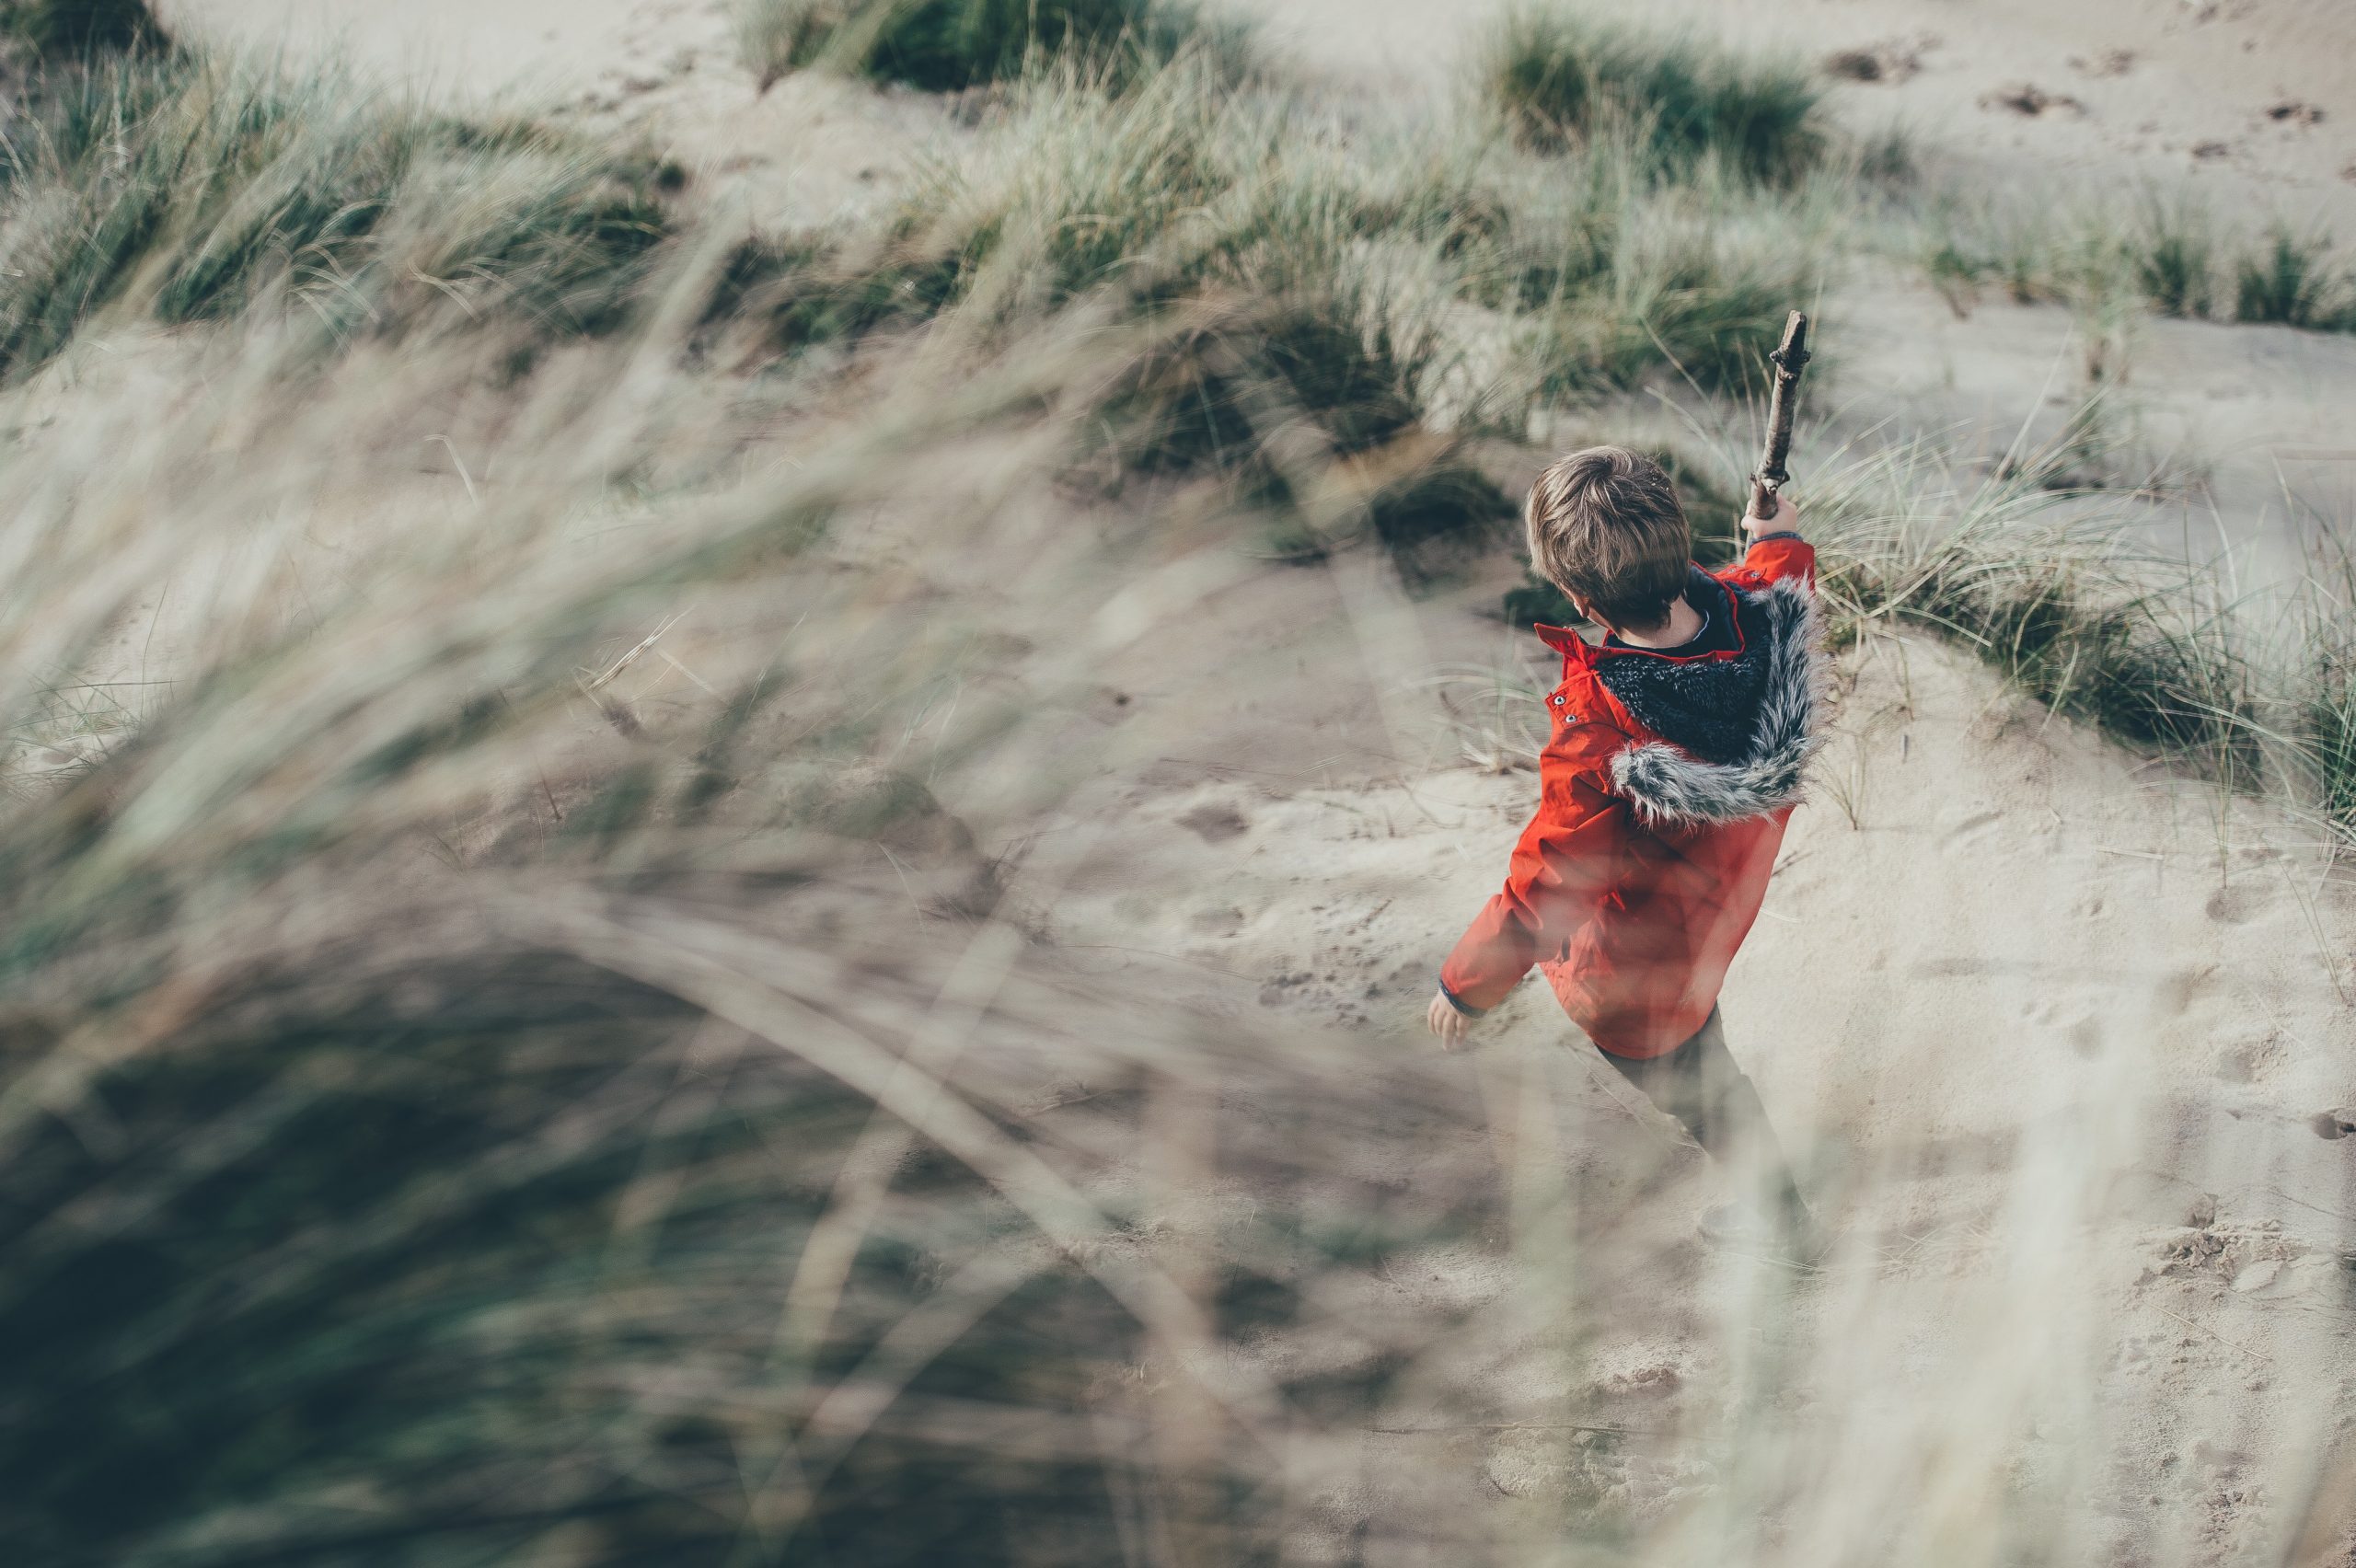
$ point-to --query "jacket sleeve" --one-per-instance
(1570, 857)
(1773, 557)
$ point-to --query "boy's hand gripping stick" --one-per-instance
(1789, 359)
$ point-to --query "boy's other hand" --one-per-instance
(1785, 520)
(1446, 1022)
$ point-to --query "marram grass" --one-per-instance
(949, 45)
(1560, 79)
(180, 189)
(465, 1105)
(543, 1038)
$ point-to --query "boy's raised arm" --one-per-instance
(1777, 549)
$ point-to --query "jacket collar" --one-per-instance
(1670, 789)
(1578, 649)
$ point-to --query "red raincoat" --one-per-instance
(1644, 868)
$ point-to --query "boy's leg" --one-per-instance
(1700, 1084)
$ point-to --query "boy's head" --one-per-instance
(1605, 527)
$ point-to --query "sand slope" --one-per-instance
(2054, 1029)
(2251, 101)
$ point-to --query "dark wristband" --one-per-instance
(1459, 1003)
(1778, 534)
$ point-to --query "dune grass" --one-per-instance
(1560, 79)
(2175, 259)
(475, 1094)
(450, 1123)
(2295, 279)
(1305, 294)
(1290, 317)
(2331, 724)
(2044, 582)
(949, 45)
(70, 29)
(183, 188)
(2167, 253)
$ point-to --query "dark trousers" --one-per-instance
(1714, 1099)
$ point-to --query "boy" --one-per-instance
(1675, 755)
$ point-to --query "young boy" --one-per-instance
(1675, 755)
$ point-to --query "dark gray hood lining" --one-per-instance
(1670, 787)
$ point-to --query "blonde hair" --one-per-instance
(1605, 526)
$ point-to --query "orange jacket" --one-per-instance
(1644, 866)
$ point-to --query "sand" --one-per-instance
(2160, 96)
(2058, 1034)
(2054, 1029)
(2249, 100)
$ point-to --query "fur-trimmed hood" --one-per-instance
(1729, 734)
(1670, 787)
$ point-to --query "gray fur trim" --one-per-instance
(1669, 787)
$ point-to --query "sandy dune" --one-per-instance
(2058, 1031)
(2250, 99)
(2158, 95)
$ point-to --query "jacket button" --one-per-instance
(1558, 702)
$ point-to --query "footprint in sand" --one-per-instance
(2175, 991)
(2247, 1061)
(1215, 821)
(2231, 905)
(1224, 921)
(2073, 1021)
(1958, 836)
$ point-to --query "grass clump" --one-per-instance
(2290, 279)
(1606, 275)
(1291, 316)
(949, 45)
(2051, 592)
(70, 28)
(2165, 255)
(2174, 254)
(1312, 401)
(2331, 726)
(1709, 316)
(804, 290)
(1145, 194)
(448, 1124)
(1561, 80)
(189, 189)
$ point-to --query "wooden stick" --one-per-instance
(1789, 359)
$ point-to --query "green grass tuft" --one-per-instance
(2050, 591)
(190, 189)
(1562, 80)
(1292, 315)
(949, 45)
(2329, 731)
(2165, 254)
(1607, 276)
(2290, 280)
(2175, 260)
(79, 29)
